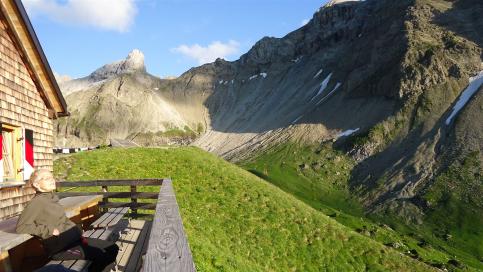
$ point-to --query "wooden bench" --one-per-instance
(74, 265)
(110, 218)
(132, 240)
(104, 227)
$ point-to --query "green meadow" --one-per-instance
(237, 221)
(319, 176)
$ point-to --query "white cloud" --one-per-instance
(117, 15)
(304, 22)
(209, 53)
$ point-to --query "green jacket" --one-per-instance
(42, 215)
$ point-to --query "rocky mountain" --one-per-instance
(394, 84)
(117, 101)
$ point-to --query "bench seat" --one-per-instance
(110, 218)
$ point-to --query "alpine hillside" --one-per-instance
(393, 87)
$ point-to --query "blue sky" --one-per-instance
(79, 36)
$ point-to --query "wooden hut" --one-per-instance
(29, 100)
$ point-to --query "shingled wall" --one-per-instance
(21, 105)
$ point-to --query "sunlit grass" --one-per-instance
(236, 221)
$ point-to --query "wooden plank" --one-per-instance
(88, 233)
(135, 260)
(127, 242)
(137, 195)
(118, 217)
(106, 234)
(68, 263)
(11, 240)
(141, 206)
(168, 248)
(102, 234)
(126, 182)
(80, 265)
(96, 233)
(113, 217)
(106, 217)
(75, 265)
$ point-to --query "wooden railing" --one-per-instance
(168, 249)
(126, 192)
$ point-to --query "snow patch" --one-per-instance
(298, 118)
(347, 132)
(232, 81)
(323, 85)
(331, 92)
(318, 73)
(335, 2)
(297, 59)
(220, 82)
(475, 83)
(264, 75)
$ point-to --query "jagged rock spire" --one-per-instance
(133, 63)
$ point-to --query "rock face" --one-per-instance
(388, 71)
(134, 63)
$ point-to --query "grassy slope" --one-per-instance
(319, 176)
(456, 205)
(236, 221)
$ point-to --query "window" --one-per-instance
(11, 158)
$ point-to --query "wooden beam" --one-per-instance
(52, 114)
(125, 182)
(21, 32)
(168, 248)
(140, 206)
(136, 195)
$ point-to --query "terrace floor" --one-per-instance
(132, 242)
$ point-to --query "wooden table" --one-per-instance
(77, 208)
(75, 204)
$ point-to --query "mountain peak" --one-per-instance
(134, 62)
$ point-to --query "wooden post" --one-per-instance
(134, 200)
(105, 199)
